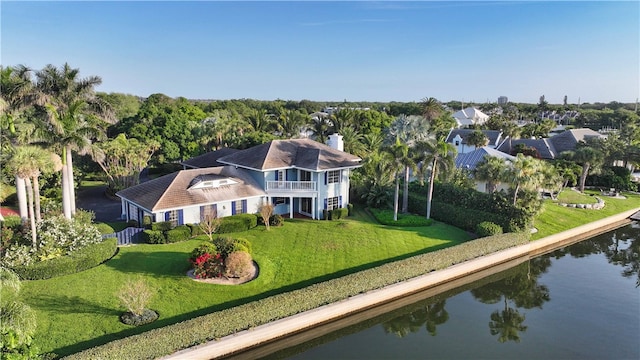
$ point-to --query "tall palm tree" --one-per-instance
(492, 170)
(589, 158)
(16, 97)
(260, 120)
(401, 160)
(74, 116)
(320, 127)
(408, 130)
(353, 141)
(28, 162)
(435, 154)
(477, 139)
(431, 108)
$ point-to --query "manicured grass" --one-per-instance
(89, 184)
(386, 217)
(569, 196)
(81, 310)
(555, 218)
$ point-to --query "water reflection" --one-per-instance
(509, 305)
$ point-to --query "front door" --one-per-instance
(305, 206)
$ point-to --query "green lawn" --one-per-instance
(81, 310)
(569, 196)
(555, 218)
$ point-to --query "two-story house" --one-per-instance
(296, 176)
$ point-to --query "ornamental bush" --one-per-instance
(276, 220)
(202, 249)
(337, 214)
(153, 237)
(487, 228)
(208, 266)
(180, 233)
(238, 264)
(162, 226)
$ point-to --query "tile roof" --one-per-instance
(209, 159)
(471, 159)
(299, 153)
(172, 191)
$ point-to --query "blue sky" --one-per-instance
(331, 51)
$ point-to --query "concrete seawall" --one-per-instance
(332, 312)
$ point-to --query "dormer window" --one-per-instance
(210, 181)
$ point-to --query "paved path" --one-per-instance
(95, 199)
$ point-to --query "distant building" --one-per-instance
(470, 116)
(503, 100)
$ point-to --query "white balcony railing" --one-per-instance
(291, 186)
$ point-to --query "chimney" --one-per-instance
(335, 141)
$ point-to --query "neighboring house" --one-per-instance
(470, 160)
(296, 176)
(458, 138)
(470, 116)
(551, 148)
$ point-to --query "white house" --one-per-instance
(297, 176)
(470, 116)
(458, 138)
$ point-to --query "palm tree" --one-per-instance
(407, 130)
(341, 119)
(431, 108)
(29, 162)
(15, 98)
(259, 120)
(525, 173)
(401, 159)
(437, 154)
(589, 158)
(492, 170)
(353, 141)
(320, 127)
(74, 116)
(477, 139)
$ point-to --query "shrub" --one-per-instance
(246, 244)
(196, 229)
(162, 226)
(237, 223)
(132, 223)
(84, 216)
(487, 228)
(58, 234)
(385, 217)
(224, 244)
(135, 295)
(146, 221)
(204, 248)
(350, 209)
(178, 234)
(276, 220)
(147, 317)
(208, 266)
(337, 214)
(83, 259)
(153, 237)
(238, 264)
(12, 221)
(104, 228)
(326, 214)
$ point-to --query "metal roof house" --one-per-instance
(296, 176)
(458, 138)
(470, 116)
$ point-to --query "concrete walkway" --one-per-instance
(322, 315)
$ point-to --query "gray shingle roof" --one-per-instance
(567, 140)
(209, 159)
(471, 159)
(299, 153)
(544, 146)
(172, 191)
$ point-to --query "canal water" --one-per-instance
(579, 302)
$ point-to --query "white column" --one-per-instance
(123, 209)
(290, 207)
(314, 211)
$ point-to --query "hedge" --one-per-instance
(153, 237)
(237, 223)
(80, 260)
(487, 228)
(169, 339)
(180, 233)
(337, 214)
(385, 217)
(162, 226)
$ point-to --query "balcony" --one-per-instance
(291, 186)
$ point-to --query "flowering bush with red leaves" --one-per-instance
(208, 266)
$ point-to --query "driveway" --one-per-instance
(95, 199)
